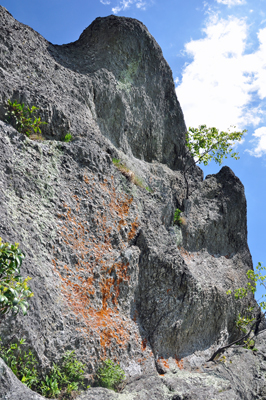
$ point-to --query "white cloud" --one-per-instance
(141, 4)
(213, 90)
(105, 2)
(124, 4)
(231, 3)
(260, 138)
(220, 84)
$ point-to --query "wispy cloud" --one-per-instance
(231, 3)
(223, 85)
(260, 139)
(125, 4)
(105, 2)
(141, 4)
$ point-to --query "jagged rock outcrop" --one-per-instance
(112, 277)
(106, 83)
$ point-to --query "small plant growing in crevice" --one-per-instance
(24, 120)
(67, 138)
(14, 289)
(130, 174)
(62, 381)
(110, 375)
(177, 218)
(22, 363)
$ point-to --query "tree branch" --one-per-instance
(255, 324)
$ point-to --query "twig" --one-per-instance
(222, 349)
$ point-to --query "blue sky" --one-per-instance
(217, 52)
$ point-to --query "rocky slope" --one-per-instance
(112, 277)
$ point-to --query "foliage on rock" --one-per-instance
(60, 382)
(67, 138)
(130, 175)
(177, 218)
(244, 322)
(14, 289)
(109, 375)
(206, 144)
(24, 119)
(248, 323)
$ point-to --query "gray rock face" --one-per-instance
(107, 83)
(112, 277)
(219, 228)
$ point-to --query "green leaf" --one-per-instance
(3, 299)
(24, 308)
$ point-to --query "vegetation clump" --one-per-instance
(206, 144)
(130, 174)
(61, 382)
(178, 220)
(24, 120)
(67, 138)
(110, 375)
(14, 289)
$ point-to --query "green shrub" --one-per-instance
(14, 289)
(66, 378)
(177, 218)
(23, 119)
(68, 137)
(23, 364)
(61, 380)
(110, 375)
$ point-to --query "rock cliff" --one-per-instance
(112, 276)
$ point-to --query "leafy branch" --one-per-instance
(14, 290)
(207, 144)
(247, 323)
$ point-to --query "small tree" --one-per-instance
(206, 144)
(248, 323)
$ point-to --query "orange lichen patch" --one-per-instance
(168, 290)
(111, 328)
(144, 344)
(185, 254)
(179, 362)
(134, 227)
(164, 362)
(95, 270)
(86, 179)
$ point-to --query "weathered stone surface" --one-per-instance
(11, 388)
(112, 277)
(106, 82)
(214, 216)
